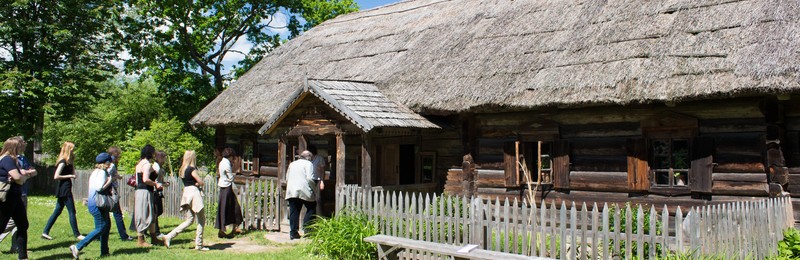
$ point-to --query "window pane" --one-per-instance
(680, 154)
(662, 177)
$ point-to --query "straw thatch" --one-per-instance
(439, 56)
(359, 102)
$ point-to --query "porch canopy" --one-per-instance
(360, 104)
(330, 107)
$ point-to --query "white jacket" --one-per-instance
(300, 180)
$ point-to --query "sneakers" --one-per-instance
(129, 238)
(201, 248)
(74, 250)
(160, 236)
(80, 237)
(46, 236)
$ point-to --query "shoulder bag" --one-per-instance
(4, 187)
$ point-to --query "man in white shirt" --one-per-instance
(300, 192)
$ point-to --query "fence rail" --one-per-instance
(571, 231)
(259, 199)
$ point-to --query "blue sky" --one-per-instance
(367, 4)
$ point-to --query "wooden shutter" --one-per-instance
(560, 167)
(702, 165)
(510, 164)
(638, 169)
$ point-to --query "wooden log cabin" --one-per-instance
(666, 102)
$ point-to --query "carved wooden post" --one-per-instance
(468, 171)
(340, 152)
(366, 164)
(281, 180)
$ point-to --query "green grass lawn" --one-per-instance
(40, 207)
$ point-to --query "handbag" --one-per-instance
(132, 181)
(4, 188)
(105, 201)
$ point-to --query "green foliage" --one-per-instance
(789, 247)
(342, 237)
(120, 110)
(56, 54)
(623, 225)
(164, 134)
(183, 45)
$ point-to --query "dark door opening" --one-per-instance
(408, 164)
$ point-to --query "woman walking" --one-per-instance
(13, 207)
(99, 183)
(115, 153)
(65, 172)
(143, 203)
(229, 211)
(191, 201)
(159, 160)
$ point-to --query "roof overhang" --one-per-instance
(361, 103)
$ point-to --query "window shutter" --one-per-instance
(638, 169)
(560, 167)
(510, 164)
(702, 165)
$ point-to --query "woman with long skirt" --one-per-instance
(65, 172)
(229, 212)
(99, 183)
(191, 201)
(144, 210)
(13, 207)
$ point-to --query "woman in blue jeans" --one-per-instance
(65, 172)
(99, 182)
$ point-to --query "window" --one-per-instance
(427, 166)
(528, 157)
(670, 162)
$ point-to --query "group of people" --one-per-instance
(103, 181)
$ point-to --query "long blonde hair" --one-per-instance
(189, 159)
(10, 148)
(66, 152)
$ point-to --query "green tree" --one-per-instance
(120, 110)
(183, 44)
(164, 134)
(54, 54)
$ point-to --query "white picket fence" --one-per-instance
(259, 198)
(742, 230)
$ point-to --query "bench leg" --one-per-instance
(387, 252)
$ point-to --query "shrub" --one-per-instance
(634, 229)
(789, 247)
(342, 237)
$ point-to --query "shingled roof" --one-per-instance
(448, 56)
(359, 102)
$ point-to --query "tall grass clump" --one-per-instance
(342, 237)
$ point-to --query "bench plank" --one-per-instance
(392, 242)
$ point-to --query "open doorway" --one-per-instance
(408, 164)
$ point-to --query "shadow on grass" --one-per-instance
(64, 244)
(220, 246)
(132, 251)
(66, 255)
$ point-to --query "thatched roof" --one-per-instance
(360, 102)
(449, 56)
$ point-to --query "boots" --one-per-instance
(154, 239)
(140, 241)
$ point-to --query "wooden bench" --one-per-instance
(391, 248)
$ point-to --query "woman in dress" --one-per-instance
(65, 172)
(229, 212)
(143, 203)
(191, 201)
(99, 183)
(10, 208)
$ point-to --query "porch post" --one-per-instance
(366, 164)
(340, 152)
(281, 180)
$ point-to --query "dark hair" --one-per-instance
(160, 157)
(228, 152)
(311, 148)
(147, 152)
(114, 151)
